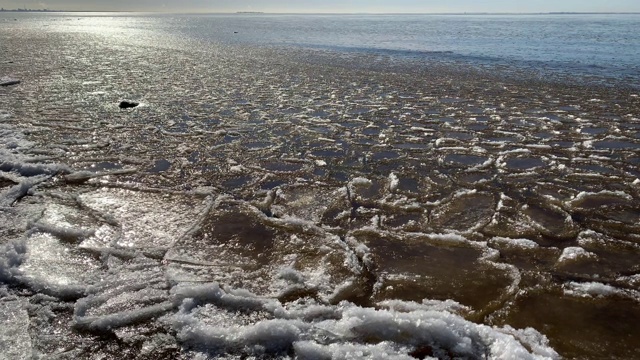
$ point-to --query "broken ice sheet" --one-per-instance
(15, 342)
(238, 245)
(458, 261)
(146, 220)
(130, 291)
(55, 268)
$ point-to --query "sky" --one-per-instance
(332, 6)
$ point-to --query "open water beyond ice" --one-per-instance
(290, 203)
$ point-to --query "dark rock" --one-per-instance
(9, 82)
(128, 104)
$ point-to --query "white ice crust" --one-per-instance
(113, 266)
(343, 330)
(216, 320)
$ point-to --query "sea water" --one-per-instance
(583, 44)
(315, 186)
(600, 44)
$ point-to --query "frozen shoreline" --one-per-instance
(296, 203)
(133, 287)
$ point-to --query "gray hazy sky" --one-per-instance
(332, 6)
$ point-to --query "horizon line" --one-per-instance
(329, 13)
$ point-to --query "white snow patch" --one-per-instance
(12, 255)
(426, 305)
(590, 289)
(360, 181)
(573, 254)
(583, 195)
(397, 330)
(516, 243)
(393, 182)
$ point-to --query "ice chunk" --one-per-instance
(465, 212)
(573, 254)
(11, 256)
(515, 243)
(157, 343)
(20, 166)
(592, 199)
(15, 342)
(393, 182)
(381, 351)
(360, 181)
(269, 336)
(591, 288)
(426, 305)
(147, 220)
(67, 223)
(56, 269)
(82, 176)
(442, 266)
(119, 319)
(6, 81)
(551, 221)
(132, 291)
(310, 203)
(238, 244)
(418, 329)
(15, 193)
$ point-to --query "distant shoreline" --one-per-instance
(298, 13)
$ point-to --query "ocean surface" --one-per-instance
(606, 45)
(319, 186)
